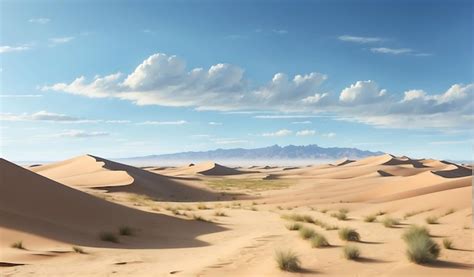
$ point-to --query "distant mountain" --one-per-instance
(275, 154)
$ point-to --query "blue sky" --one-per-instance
(133, 78)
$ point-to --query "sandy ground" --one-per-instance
(177, 228)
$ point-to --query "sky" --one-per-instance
(130, 78)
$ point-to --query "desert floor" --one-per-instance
(211, 220)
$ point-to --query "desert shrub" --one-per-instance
(319, 241)
(287, 260)
(432, 220)
(351, 252)
(450, 211)
(78, 249)
(448, 244)
(343, 210)
(294, 226)
(308, 218)
(108, 236)
(339, 215)
(202, 206)
(420, 247)
(370, 218)
(390, 222)
(220, 213)
(324, 211)
(18, 245)
(307, 233)
(349, 234)
(126, 231)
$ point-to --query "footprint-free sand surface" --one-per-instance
(211, 220)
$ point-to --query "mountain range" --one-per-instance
(291, 154)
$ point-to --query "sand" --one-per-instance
(52, 207)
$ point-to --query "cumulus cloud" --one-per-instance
(358, 39)
(306, 133)
(165, 81)
(279, 133)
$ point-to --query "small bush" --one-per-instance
(18, 245)
(450, 211)
(220, 213)
(287, 260)
(343, 210)
(432, 220)
(126, 231)
(390, 222)
(254, 209)
(307, 233)
(420, 247)
(324, 211)
(370, 218)
(78, 249)
(330, 227)
(202, 206)
(349, 234)
(351, 252)
(380, 213)
(108, 236)
(294, 226)
(200, 218)
(308, 218)
(448, 244)
(340, 216)
(319, 241)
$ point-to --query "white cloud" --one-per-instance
(164, 80)
(306, 133)
(178, 122)
(279, 133)
(60, 40)
(7, 48)
(358, 39)
(329, 135)
(39, 20)
(362, 92)
(54, 117)
(392, 51)
(214, 123)
(81, 134)
(301, 122)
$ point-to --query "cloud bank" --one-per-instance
(165, 81)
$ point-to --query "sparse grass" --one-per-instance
(349, 234)
(330, 227)
(351, 252)
(380, 213)
(466, 227)
(307, 233)
(324, 211)
(294, 217)
(318, 241)
(108, 236)
(247, 184)
(420, 247)
(448, 244)
(253, 208)
(432, 219)
(200, 218)
(280, 207)
(140, 199)
(339, 215)
(412, 213)
(220, 213)
(202, 206)
(390, 222)
(343, 210)
(370, 218)
(18, 245)
(126, 231)
(78, 249)
(287, 260)
(294, 226)
(308, 219)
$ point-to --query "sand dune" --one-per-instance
(49, 216)
(94, 172)
(37, 205)
(208, 168)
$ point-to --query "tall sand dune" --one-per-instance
(95, 172)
